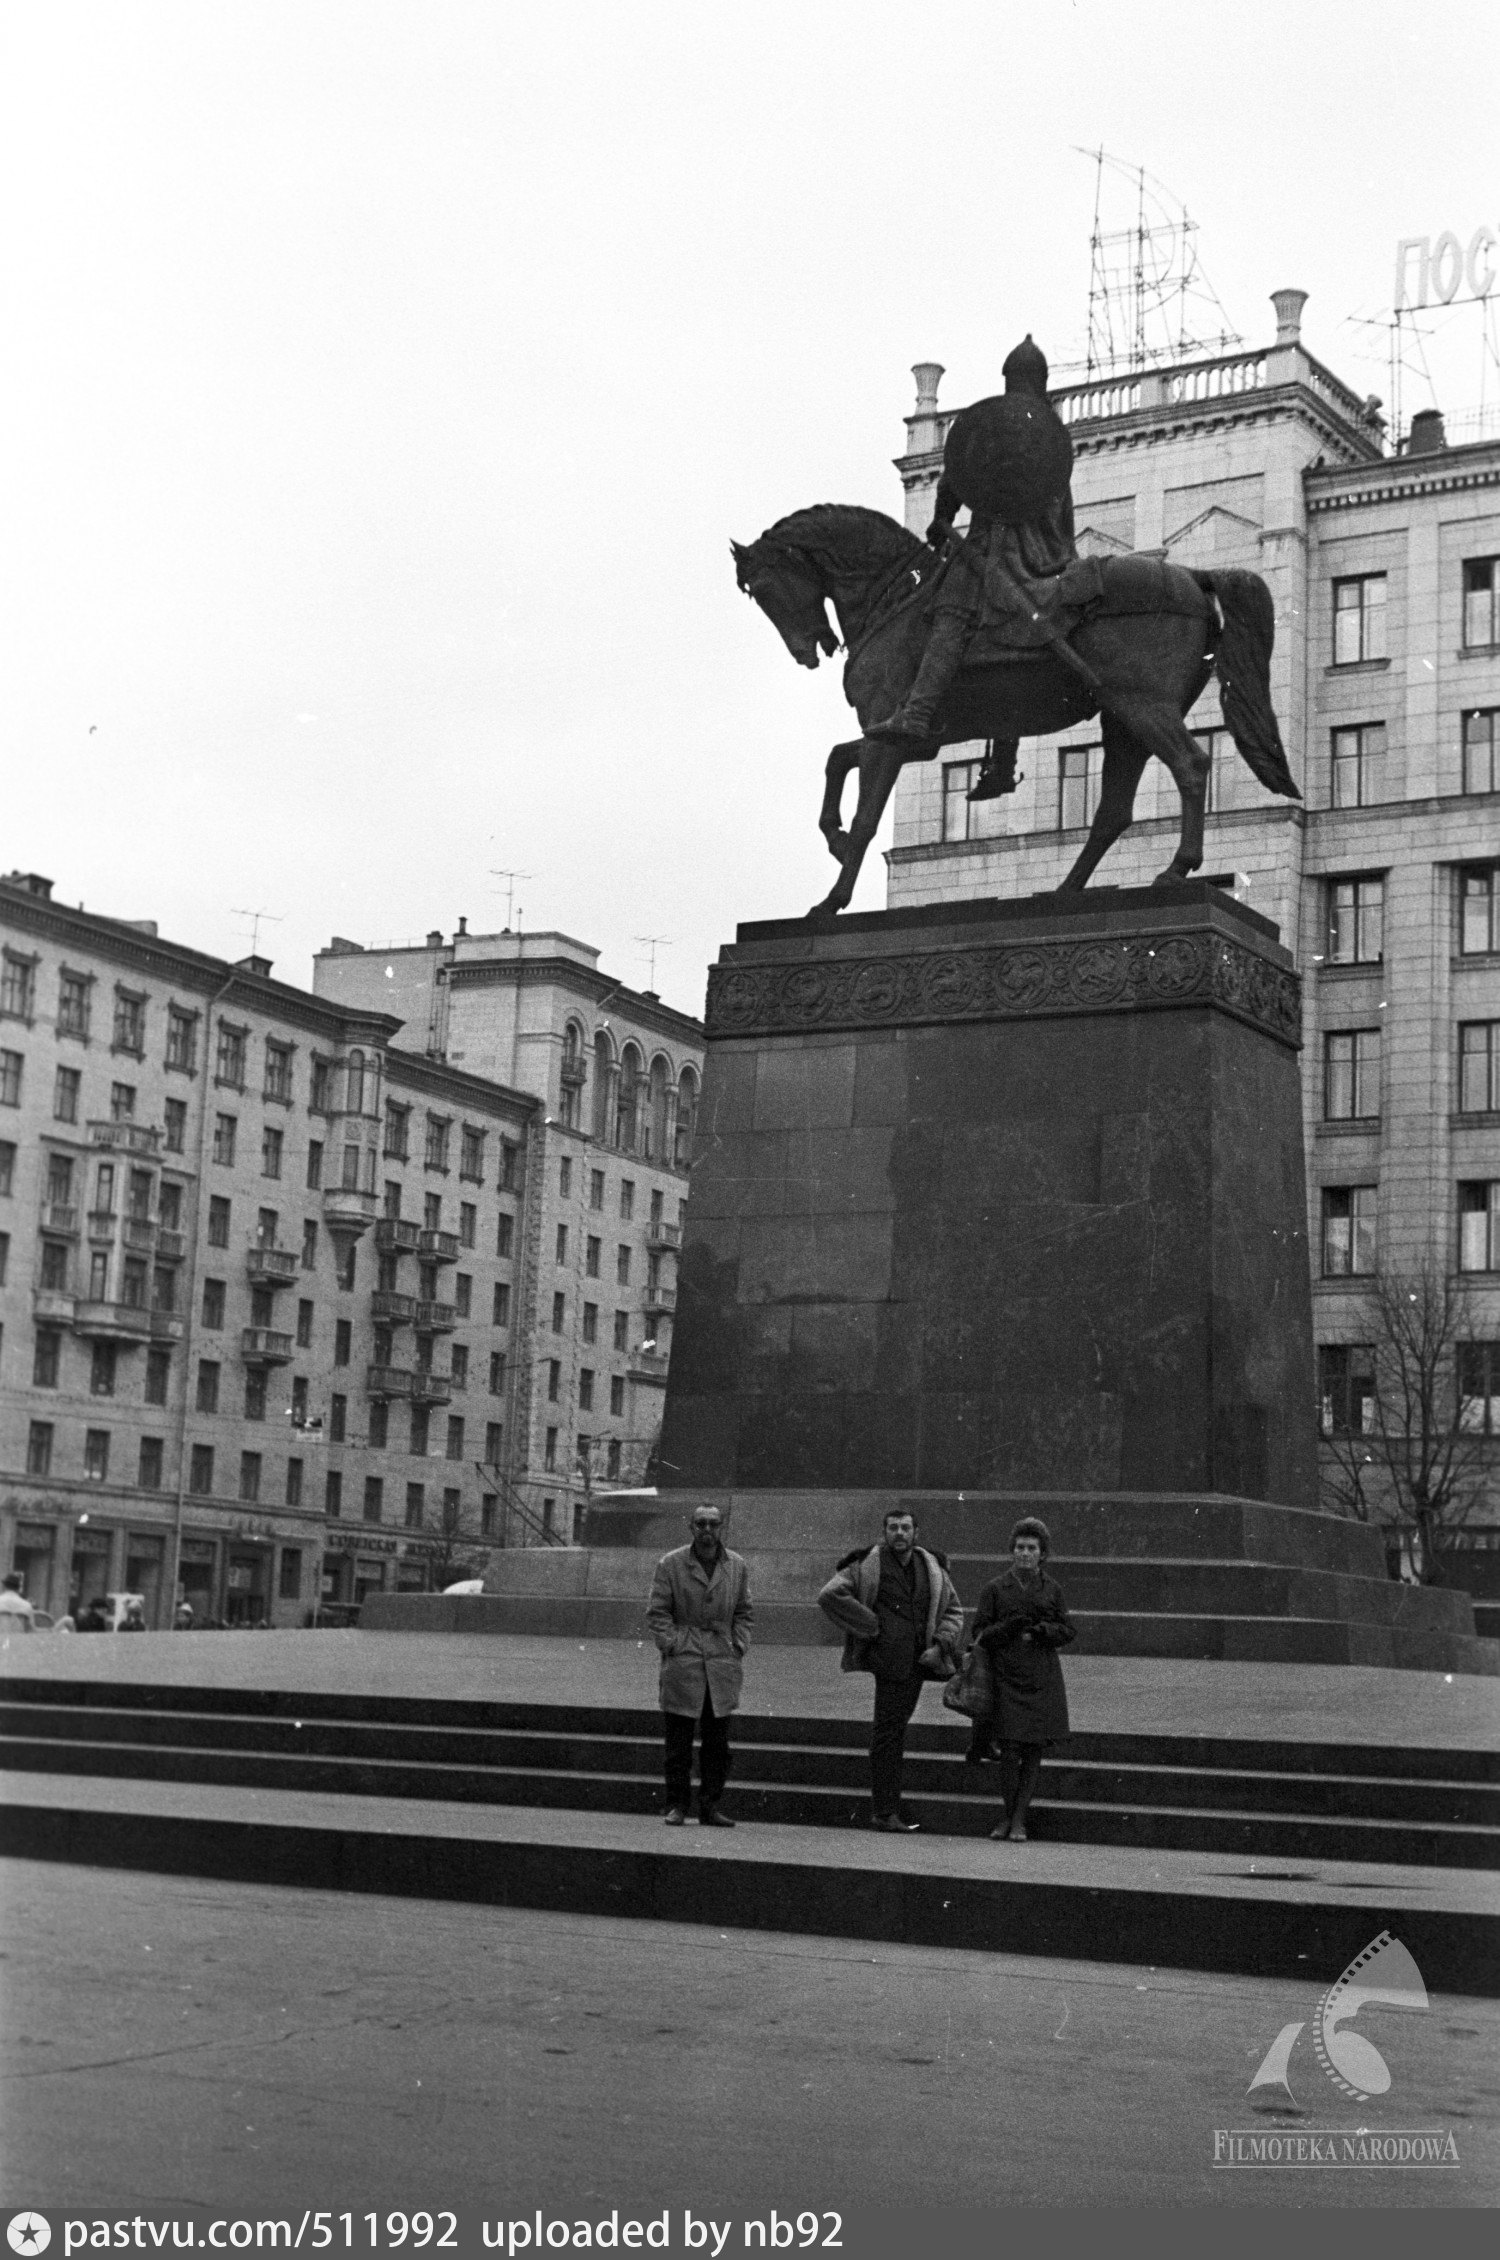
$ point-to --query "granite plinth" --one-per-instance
(1005, 1197)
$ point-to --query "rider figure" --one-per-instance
(1033, 550)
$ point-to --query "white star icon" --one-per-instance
(27, 2232)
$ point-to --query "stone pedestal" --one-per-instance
(1004, 1197)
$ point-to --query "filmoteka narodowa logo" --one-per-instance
(27, 2232)
(1383, 1974)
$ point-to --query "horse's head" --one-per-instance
(787, 588)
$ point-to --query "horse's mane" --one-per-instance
(844, 537)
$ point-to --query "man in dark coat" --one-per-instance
(1022, 1619)
(901, 1619)
(700, 1618)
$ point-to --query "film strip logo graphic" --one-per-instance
(1385, 1973)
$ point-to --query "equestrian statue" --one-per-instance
(1003, 632)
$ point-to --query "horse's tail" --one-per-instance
(1242, 662)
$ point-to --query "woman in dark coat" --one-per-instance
(1023, 1620)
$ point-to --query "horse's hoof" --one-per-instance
(822, 914)
(1171, 877)
(837, 844)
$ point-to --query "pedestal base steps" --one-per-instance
(1168, 1575)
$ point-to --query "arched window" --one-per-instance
(687, 1114)
(354, 1084)
(628, 1101)
(657, 1148)
(603, 1074)
(572, 1075)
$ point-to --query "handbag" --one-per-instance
(971, 1690)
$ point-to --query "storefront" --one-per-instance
(90, 1577)
(247, 1584)
(355, 1566)
(34, 1556)
(197, 1577)
(145, 1570)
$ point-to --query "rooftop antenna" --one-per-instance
(653, 943)
(510, 878)
(1149, 298)
(272, 918)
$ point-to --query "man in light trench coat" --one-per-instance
(700, 1617)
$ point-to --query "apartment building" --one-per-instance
(1385, 880)
(257, 1281)
(617, 1075)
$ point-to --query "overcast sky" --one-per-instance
(386, 382)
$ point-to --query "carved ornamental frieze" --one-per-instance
(1032, 980)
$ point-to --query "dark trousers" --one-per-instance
(895, 1700)
(713, 1756)
(1020, 1766)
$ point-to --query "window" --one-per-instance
(627, 1199)
(350, 1179)
(249, 1477)
(489, 1515)
(133, 1283)
(99, 1276)
(1482, 601)
(554, 1379)
(255, 1393)
(158, 1373)
(549, 1449)
(299, 1400)
(182, 1039)
(65, 1091)
(1358, 766)
(314, 1165)
(415, 1501)
(304, 1325)
(7, 1166)
(559, 1313)
(658, 1209)
(458, 1366)
(1346, 1388)
(1356, 921)
(309, 1244)
(201, 1471)
(73, 1004)
(18, 986)
(687, 1115)
(451, 1500)
(208, 1386)
(463, 1293)
(494, 1437)
(505, 1233)
(10, 1078)
(421, 1424)
(1479, 910)
(596, 1188)
(591, 1322)
(294, 1483)
(104, 1191)
(218, 1221)
(225, 1126)
(622, 1265)
(130, 1023)
(333, 1493)
(501, 1304)
(497, 1373)
(169, 1207)
(338, 1419)
(39, 1448)
(229, 1060)
(1479, 1067)
(586, 1389)
(1480, 773)
(378, 1423)
(1479, 1387)
(320, 1093)
(958, 815)
(344, 1266)
(278, 1070)
(1479, 1225)
(270, 1152)
(1351, 1075)
(468, 1224)
(471, 1154)
(374, 1505)
(565, 1179)
(148, 1473)
(164, 1288)
(102, 1370)
(622, 1329)
(290, 1575)
(1359, 619)
(562, 1243)
(397, 1131)
(616, 1394)
(213, 1303)
(1079, 770)
(343, 1341)
(46, 1358)
(455, 1445)
(176, 1121)
(510, 1167)
(59, 1179)
(96, 1455)
(1348, 1231)
(591, 1251)
(435, 1152)
(432, 1212)
(612, 1463)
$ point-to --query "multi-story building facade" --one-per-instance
(617, 1074)
(257, 1281)
(1385, 879)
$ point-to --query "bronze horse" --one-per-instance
(1151, 644)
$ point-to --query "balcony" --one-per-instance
(394, 1236)
(102, 1222)
(664, 1235)
(436, 1318)
(171, 1247)
(661, 1298)
(649, 1365)
(124, 1137)
(388, 1381)
(438, 1247)
(112, 1322)
(350, 1212)
(50, 1306)
(271, 1267)
(166, 1326)
(139, 1233)
(263, 1345)
(60, 1217)
(387, 1308)
(428, 1388)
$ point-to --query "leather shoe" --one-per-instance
(1001, 1834)
(893, 1824)
(674, 1816)
(1017, 1832)
(711, 1817)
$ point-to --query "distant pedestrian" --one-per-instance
(1022, 1619)
(902, 1620)
(93, 1616)
(16, 1612)
(700, 1618)
(134, 1617)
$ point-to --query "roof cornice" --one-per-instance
(1398, 478)
(410, 1071)
(507, 972)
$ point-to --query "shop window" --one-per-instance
(289, 1585)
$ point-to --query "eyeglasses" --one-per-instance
(705, 1522)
